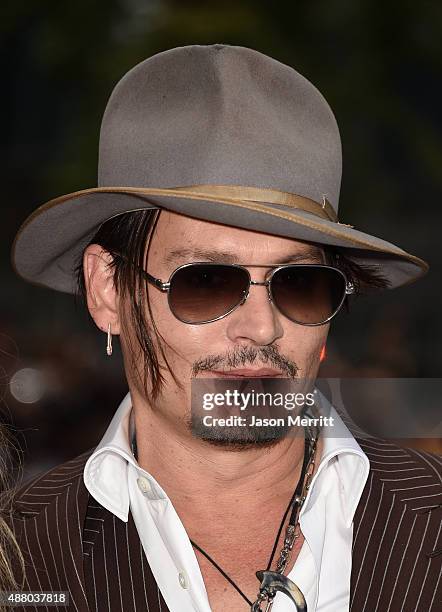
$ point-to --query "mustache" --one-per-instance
(244, 356)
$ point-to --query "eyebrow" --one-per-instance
(313, 254)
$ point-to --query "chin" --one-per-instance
(240, 446)
(238, 438)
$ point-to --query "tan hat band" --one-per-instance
(261, 194)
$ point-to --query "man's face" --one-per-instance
(254, 336)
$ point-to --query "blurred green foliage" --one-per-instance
(379, 64)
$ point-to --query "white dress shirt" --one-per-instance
(322, 569)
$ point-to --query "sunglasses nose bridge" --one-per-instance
(263, 284)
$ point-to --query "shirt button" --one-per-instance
(144, 485)
(182, 579)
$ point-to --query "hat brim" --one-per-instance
(49, 244)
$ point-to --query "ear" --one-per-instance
(102, 297)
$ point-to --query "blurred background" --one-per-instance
(379, 65)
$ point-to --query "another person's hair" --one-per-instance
(10, 555)
(129, 234)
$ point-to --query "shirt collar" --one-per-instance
(105, 472)
(351, 463)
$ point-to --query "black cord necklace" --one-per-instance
(272, 582)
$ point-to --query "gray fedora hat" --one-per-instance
(216, 132)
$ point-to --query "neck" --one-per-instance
(191, 470)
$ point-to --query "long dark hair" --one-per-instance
(129, 234)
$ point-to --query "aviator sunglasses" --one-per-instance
(202, 292)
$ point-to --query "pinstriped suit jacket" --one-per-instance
(71, 543)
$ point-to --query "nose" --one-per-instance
(257, 320)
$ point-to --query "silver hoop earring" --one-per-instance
(109, 340)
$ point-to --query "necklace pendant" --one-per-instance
(269, 605)
(262, 599)
(271, 583)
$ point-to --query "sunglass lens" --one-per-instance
(309, 295)
(202, 292)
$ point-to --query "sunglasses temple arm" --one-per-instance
(350, 288)
(158, 283)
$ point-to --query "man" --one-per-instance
(212, 248)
